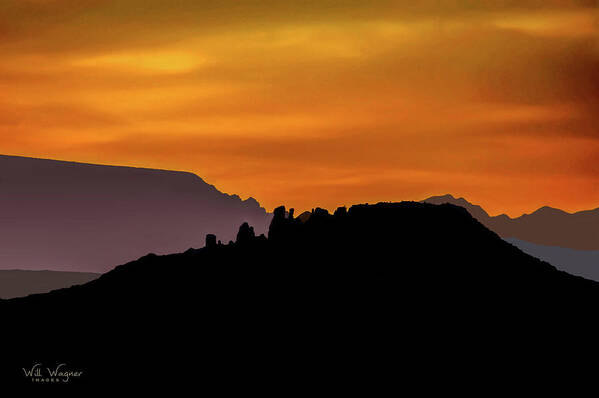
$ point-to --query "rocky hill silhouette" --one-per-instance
(545, 226)
(331, 299)
(67, 216)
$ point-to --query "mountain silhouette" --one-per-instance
(67, 216)
(19, 283)
(325, 300)
(546, 226)
(583, 263)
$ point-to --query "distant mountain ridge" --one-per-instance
(583, 263)
(19, 283)
(545, 226)
(69, 216)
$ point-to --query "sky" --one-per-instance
(315, 103)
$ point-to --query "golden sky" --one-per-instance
(315, 103)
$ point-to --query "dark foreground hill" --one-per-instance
(67, 216)
(335, 302)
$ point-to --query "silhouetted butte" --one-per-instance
(325, 298)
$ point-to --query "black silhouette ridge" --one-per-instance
(331, 298)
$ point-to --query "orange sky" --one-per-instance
(315, 103)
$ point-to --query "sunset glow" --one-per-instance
(315, 103)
